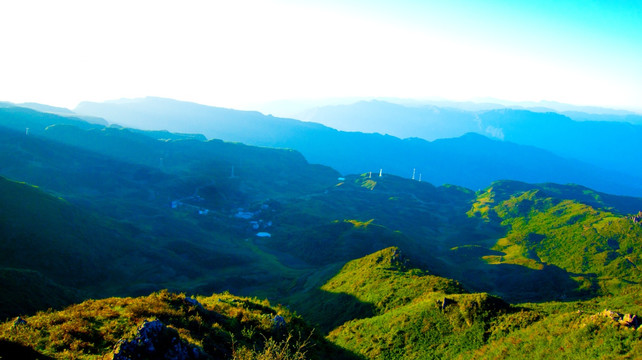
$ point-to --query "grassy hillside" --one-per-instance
(124, 213)
(363, 288)
(592, 329)
(118, 219)
(55, 245)
(587, 237)
(372, 213)
(54, 253)
(387, 280)
(421, 329)
(220, 326)
(413, 314)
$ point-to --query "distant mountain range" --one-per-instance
(600, 155)
(378, 267)
(440, 119)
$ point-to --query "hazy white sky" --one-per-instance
(235, 53)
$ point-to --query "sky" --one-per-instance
(246, 52)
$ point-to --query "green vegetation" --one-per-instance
(218, 326)
(421, 329)
(571, 330)
(383, 267)
(115, 232)
(414, 314)
(386, 280)
(600, 249)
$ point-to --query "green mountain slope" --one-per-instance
(365, 287)
(48, 241)
(125, 213)
(387, 280)
(601, 328)
(168, 325)
(112, 179)
(421, 329)
(64, 253)
(587, 237)
(376, 212)
(415, 315)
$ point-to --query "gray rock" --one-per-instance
(154, 340)
(278, 323)
(193, 302)
(19, 321)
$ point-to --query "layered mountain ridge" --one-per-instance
(600, 155)
(381, 266)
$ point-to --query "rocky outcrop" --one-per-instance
(445, 302)
(629, 320)
(278, 324)
(154, 340)
(19, 321)
(399, 261)
(193, 302)
(626, 320)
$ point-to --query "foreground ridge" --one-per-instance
(166, 325)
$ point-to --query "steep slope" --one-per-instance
(415, 315)
(52, 246)
(386, 279)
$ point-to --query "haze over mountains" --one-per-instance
(608, 140)
(379, 267)
(515, 144)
